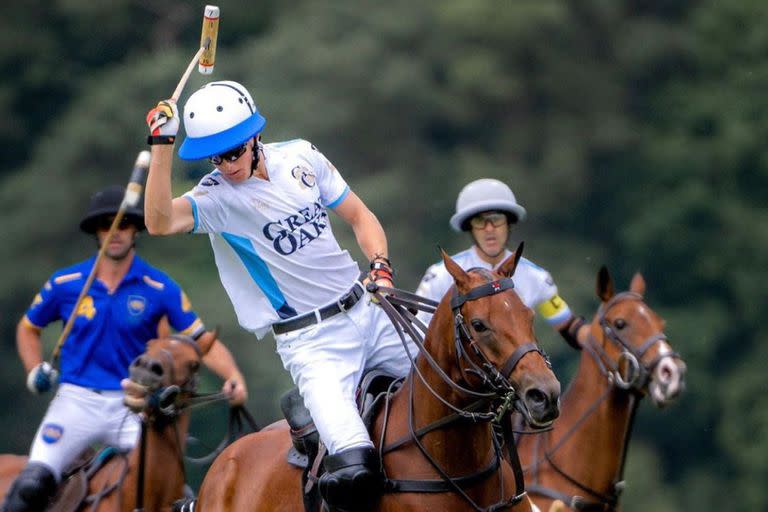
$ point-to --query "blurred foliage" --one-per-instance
(631, 130)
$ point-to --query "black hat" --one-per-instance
(107, 202)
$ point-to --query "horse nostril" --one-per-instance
(156, 368)
(536, 398)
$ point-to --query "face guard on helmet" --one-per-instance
(485, 195)
(218, 117)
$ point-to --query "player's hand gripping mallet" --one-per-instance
(206, 55)
(130, 199)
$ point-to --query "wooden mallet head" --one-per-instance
(208, 39)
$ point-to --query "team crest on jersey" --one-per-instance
(52, 433)
(304, 176)
(87, 309)
(136, 304)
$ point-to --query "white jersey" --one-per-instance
(272, 239)
(533, 284)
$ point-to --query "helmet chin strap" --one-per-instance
(256, 151)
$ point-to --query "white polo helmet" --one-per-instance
(485, 195)
(218, 117)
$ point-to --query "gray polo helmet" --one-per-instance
(484, 195)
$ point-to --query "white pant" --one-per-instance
(327, 361)
(77, 418)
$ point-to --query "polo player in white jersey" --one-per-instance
(265, 208)
(486, 209)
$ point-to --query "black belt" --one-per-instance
(346, 301)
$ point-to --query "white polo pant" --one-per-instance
(327, 361)
(78, 418)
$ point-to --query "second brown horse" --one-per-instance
(579, 464)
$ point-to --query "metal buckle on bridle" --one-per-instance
(634, 371)
(507, 402)
(161, 397)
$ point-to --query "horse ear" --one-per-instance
(604, 284)
(205, 341)
(460, 277)
(509, 265)
(638, 284)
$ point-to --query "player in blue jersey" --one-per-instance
(128, 304)
(265, 208)
(487, 209)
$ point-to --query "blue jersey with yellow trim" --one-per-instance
(110, 329)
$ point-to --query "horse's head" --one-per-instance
(165, 374)
(495, 343)
(632, 339)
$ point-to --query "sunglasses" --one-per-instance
(496, 219)
(228, 156)
(104, 223)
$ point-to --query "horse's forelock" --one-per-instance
(484, 273)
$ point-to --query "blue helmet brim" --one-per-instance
(195, 148)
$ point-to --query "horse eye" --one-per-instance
(479, 326)
(620, 323)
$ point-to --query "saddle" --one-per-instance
(74, 489)
(307, 450)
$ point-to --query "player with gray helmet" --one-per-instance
(486, 209)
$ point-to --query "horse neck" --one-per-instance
(464, 444)
(163, 467)
(593, 413)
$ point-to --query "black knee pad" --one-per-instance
(352, 481)
(31, 490)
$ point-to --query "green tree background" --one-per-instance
(631, 130)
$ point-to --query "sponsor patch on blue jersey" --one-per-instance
(51, 433)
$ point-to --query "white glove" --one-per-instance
(163, 120)
(42, 378)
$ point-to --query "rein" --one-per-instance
(400, 306)
(635, 384)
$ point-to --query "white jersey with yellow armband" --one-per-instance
(533, 284)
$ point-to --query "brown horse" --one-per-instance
(439, 452)
(161, 385)
(579, 464)
(10, 467)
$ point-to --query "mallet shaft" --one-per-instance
(131, 198)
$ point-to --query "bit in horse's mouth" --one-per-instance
(532, 422)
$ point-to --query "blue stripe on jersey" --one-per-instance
(338, 201)
(194, 212)
(258, 270)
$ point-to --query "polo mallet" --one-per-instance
(206, 55)
(130, 199)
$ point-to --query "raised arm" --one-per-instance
(163, 214)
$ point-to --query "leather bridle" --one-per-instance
(495, 398)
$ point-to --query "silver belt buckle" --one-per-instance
(347, 296)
